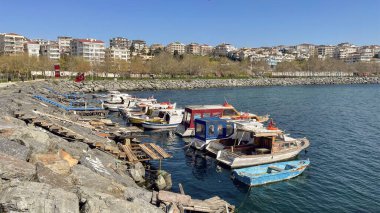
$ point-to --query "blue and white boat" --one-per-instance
(269, 173)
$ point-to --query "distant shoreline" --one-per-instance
(167, 84)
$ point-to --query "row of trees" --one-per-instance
(330, 64)
(165, 64)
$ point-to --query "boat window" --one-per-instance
(216, 114)
(188, 117)
(229, 112)
(161, 114)
(293, 144)
(200, 130)
(206, 115)
(197, 115)
(211, 130)
(220, 130)
(229, 129)
(285, 145)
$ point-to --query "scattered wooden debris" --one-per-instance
(185, 203)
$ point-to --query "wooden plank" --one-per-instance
(181, 189)
(160, 150)
(149, 152)
(128, 151)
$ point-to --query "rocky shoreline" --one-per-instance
(43, 171)
(158, 84)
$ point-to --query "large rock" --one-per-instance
(14, 149)
(32, 137)
(97, 202)
(53, 161)
(137, 172)
(84, 177)
(36, 197)
(107, 166)
(14, 168)
(75, 149)
(46, 175)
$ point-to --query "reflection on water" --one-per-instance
(342, 123)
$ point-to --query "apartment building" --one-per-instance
(305, 49)
(119, 53)
(32, 48)
(205, 49)
(343, 50)
(51, 50)
(92, 50)
(120, 42)
(11, 44)
(64, 44)
(175, 47)
(138, 46)
(357, 57)
(325, 51)
(193, 48)
(223, 49)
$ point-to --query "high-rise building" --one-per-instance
(11, 44)
(90, 49)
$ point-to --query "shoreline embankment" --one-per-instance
(167, 84)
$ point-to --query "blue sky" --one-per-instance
(249, 23)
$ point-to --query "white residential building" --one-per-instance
(118, 53)
(357, 57)
(90, 49)
(175, 47)
(11, 44)
(64, 44)
(51, 50)
(32, 48)
(223, 49)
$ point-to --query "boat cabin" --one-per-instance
(210, 128)
(205, 111)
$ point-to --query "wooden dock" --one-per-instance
(127, 151)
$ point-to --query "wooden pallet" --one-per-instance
(160, 150)
(149, 152)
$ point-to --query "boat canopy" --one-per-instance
(260, 132)
(213, 128)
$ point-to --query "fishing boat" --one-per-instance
(152, 114)
(225, 111)
(269, 145)
(214, 134)
(269, 173)
(170, 119)
(211, 129)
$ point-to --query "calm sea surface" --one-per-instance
(342, 123)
